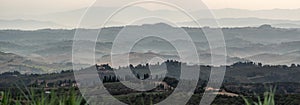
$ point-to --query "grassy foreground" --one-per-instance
(71, 97)
(269, 99)
(43, 98)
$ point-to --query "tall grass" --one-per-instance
(5, 98)
(268, 98)
(32, 98)
(71, 98)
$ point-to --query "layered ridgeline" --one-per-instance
(227, 17)
(264, 44)
(12, 62)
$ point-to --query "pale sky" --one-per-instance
(29, 7)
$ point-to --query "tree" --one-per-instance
(293, 66)
(104, 79)
(131, 67)
(259, 64)
(138, 76)
(146, 76)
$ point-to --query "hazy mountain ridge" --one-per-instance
(55, 46)
(227, 17)
(268, 58)
(13, 62)
(245, 22)
(273, 16)
(28, 24)
(293, 53)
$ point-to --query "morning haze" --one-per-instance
(36, 14)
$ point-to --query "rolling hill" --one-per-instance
(13, 62)
(268, 58)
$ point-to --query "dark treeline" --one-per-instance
(241, 77)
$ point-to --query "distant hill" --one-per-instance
(275, 59)
(9, 46)
(13, 62)
(226, 17)
(284, 48)
(245, 22)
(28, 24)
(137, 58)
(293, 53)
(55, 45)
